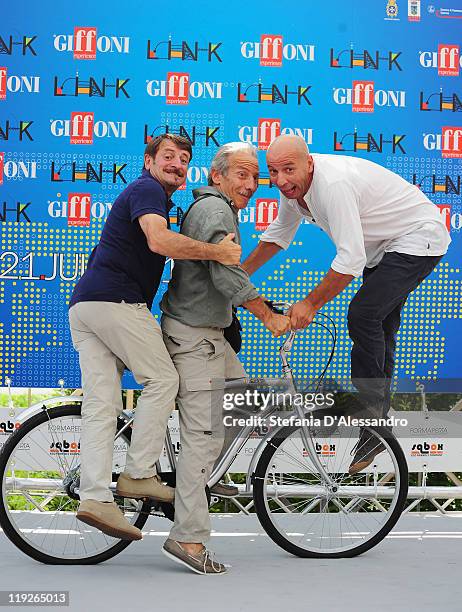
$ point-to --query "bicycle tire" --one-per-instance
(8, 528)
(259, 476)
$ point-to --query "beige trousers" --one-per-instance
(203, 359)
(109, 336)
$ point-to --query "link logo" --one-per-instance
(185, 51)
(266, 211)
(19, 211)
(76, 86)
(207, 137)
(449, 142)
(85, 43)
(86, 171)
(177, 89)
(432, 183)
(275, 94)
(363, 96)
(82, 127)
(367, 60)
(268, 129)
(447, 59)
(440, 102)
(22, 128)
(272, 51)
(8, 45)
(370, 143)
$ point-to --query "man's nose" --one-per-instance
(251, 184)
(176, 162)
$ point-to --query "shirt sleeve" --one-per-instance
(232, 281)
(283, 229)
(147, 198)
(346, 230)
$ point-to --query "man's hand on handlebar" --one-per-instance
(301, 314)
(278, 324)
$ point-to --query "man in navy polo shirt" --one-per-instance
(112, 328)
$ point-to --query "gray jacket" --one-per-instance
(202, 293)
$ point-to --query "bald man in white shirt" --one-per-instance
(383, 228)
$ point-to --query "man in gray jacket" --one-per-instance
(197, 307)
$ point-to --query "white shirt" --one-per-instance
(366, 210)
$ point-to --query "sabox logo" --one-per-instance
(78, 209)
(2, 83)
(82, 128)
(363, 97)
(177, 88)
(64, 447)
(426, 449)
(451, 145)
(268, 130)
(448, 60)
(270, 50)
(84, 43)
(266, 212)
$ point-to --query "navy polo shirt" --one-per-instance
(121, 266)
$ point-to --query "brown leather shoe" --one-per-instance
(108, 518)
(202, 562)
(137, 488)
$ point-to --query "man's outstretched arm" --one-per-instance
(302, 313)
(260, 255)
(172, 244)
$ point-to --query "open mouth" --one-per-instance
(289, 193)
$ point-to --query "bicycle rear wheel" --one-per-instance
(38, 506)
(309, 519)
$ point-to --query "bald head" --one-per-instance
(288, 142)
(290, 166)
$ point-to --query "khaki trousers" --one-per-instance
(203, 359)
(109, 336)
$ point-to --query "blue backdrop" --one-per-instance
(84, 86)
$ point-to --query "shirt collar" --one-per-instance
(203, 191)
(146, 174)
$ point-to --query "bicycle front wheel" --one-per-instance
(39, 468)
(309, 518)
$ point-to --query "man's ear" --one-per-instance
(216, 176)
(147, 160)
(310, 164)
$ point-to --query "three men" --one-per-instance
(112, 328)
(197, 307)
(383, 228)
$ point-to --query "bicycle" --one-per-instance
(303, 495)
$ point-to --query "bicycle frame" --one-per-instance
(241, 439)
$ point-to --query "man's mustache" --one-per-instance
(179, 173)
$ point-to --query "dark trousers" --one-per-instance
(374, 317)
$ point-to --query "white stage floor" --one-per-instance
(418, 567)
